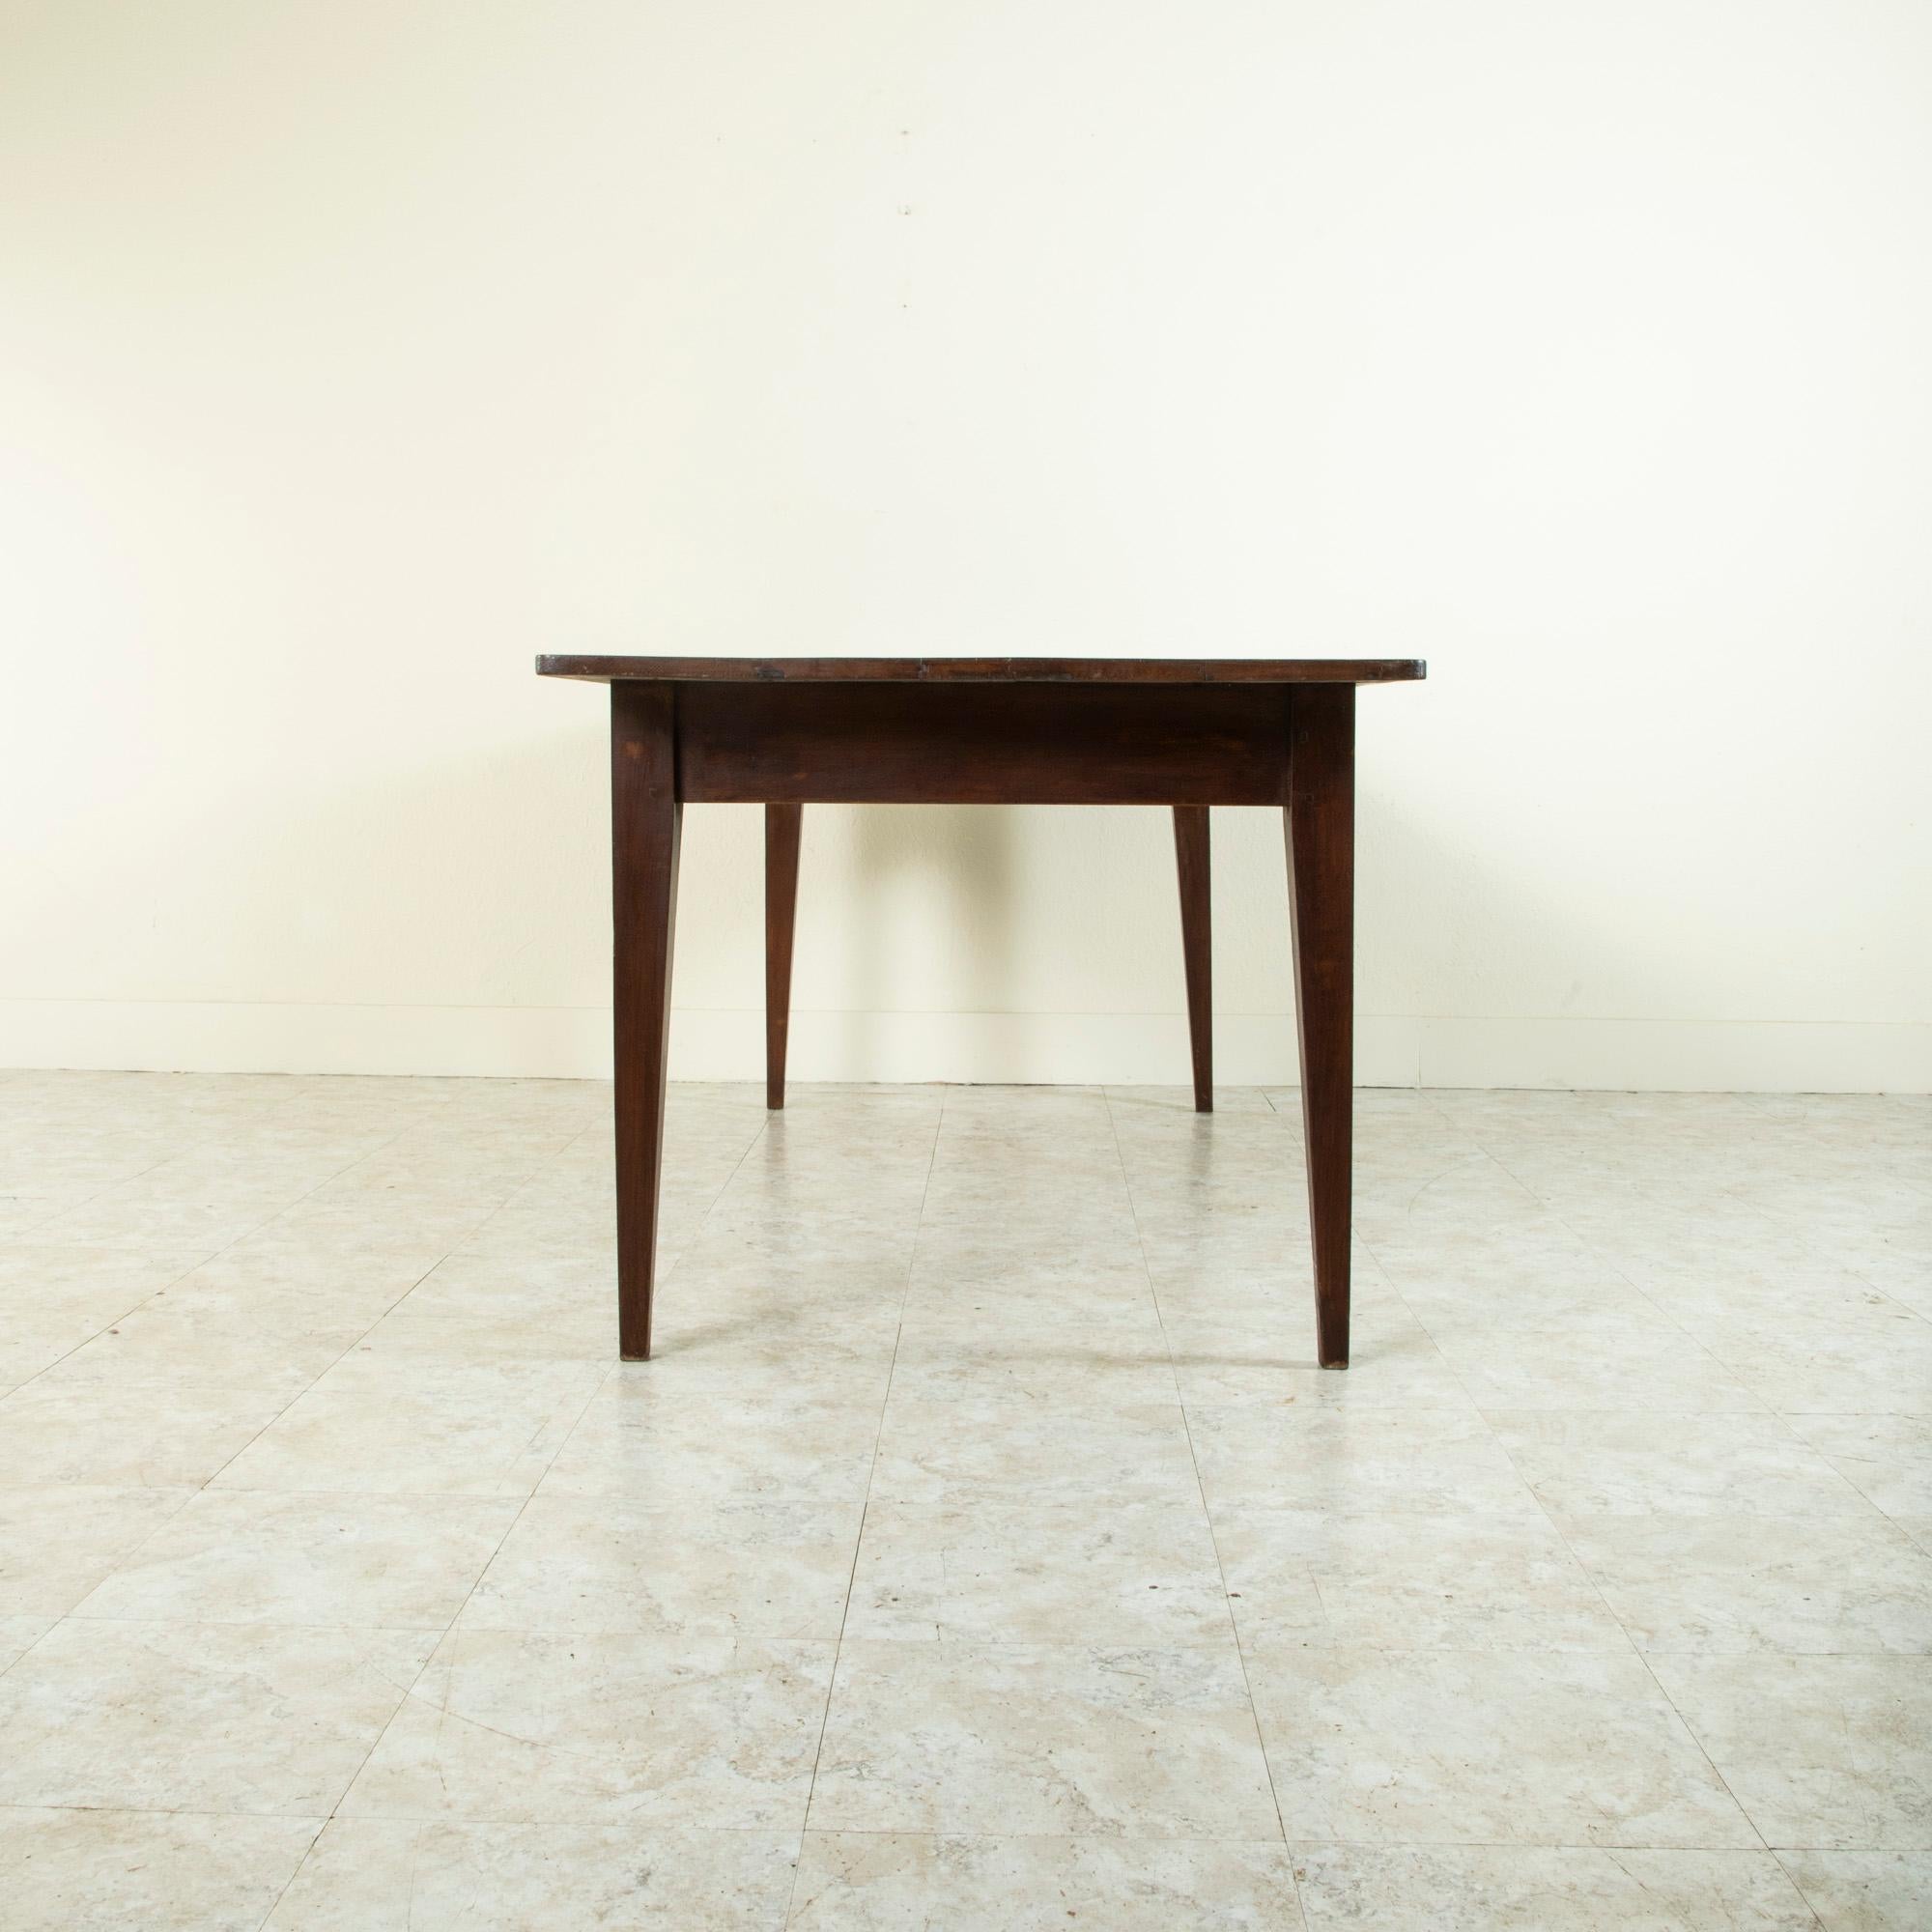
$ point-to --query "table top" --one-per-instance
(985, 671)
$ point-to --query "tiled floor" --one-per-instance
(982, 1550)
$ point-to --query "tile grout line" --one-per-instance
(414, 1496)
(367, 1154)
(1583, 1569)
(214, 1253)
(997, 1837)
(1556, 1529)
(1792, 1234)
(1615, 1266)
(1201, 1489)
(309, 1385)
(1636, 1650)
(409, 1690)
(1779, 1855)
(138, 1174)
(864, 1509)
(201, 1488)
(612, 1369)
(508, 1820)
(704, 1221)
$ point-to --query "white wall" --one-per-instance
(351, 352)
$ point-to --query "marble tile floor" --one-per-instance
(982, 1550)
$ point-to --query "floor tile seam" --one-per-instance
(545, 1424)
(28, 1650)
(196, 1490)
(212, 1480)
(1583, 1570)
(1317, 1840)
(1768, 1651)
(189, 1495)
(1174, 1369)
(1736, 1191)
(967, 1832)
(1539, 1844)
(1904, 1310)
(1838, 1412)
(1664, 1314)
(1476, 1408)
(864, 1506)
(1855, 1501)
(1683, 1414)
(1904, 1307)
(711, 1633)
(1608, 1261)
(610, 1368)
(147, 1296)
(159, 1811)
(1348, 1646)
(1780, 1853)
(1305, 1839)
(482, 1569)
(1638, 1651)
(417, 1627)
(1018, 1646)
(474, 1229)
(1213, 1540)
(788, 1836)
(536, 1173)
(562, 1821)
(337, 1492)
(1108, 1088)
(1896, 1520)
(136, 1173)
(1394, 1286)
(192, 1267)
(361, 1627)
(307, 1852)
(1770, 1222)
(704, 1221)
(409, 1689)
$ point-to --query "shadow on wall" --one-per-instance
(480, 883)
(963, 854)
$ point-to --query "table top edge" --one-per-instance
(982, 671)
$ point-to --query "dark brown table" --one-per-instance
(784, 732)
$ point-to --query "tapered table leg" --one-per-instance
(1321, 903)
(781, 830)
(1190, 856)
(645, 822)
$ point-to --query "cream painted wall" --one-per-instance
(351, 352)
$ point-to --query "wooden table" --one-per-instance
(784, 732)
